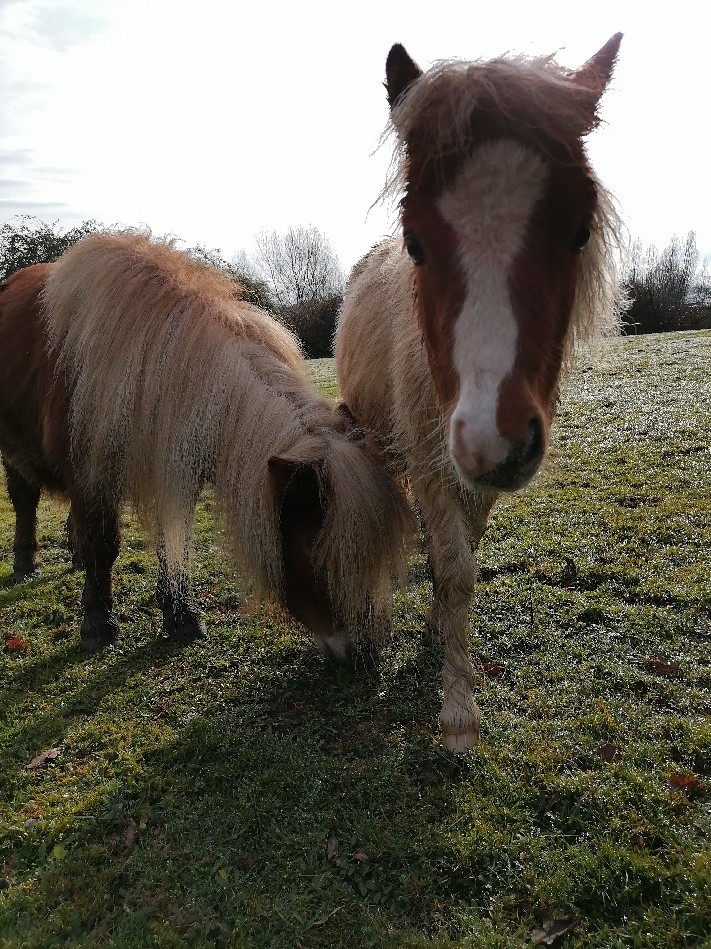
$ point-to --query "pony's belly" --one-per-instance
(28, 460)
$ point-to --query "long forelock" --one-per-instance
(600, 297)
(366, 512)
(543, 102)
(537, 95)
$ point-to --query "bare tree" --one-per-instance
(299, 266)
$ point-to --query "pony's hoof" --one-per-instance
(98, 630)
(460, 727)
(184, 631)
(459, 742)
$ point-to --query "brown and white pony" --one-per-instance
(131, 373)
(452, 339)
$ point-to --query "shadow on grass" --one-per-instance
(12, 591)
(298, 792)
(255, 783)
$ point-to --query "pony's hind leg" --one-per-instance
(97, 536)
(25, 498)
(181, 618)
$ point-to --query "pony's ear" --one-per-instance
(400, 73)
(594, 75)
(294, 473)
(282, 470)
(343, 410)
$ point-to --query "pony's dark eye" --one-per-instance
(414, 249)
(582, 236)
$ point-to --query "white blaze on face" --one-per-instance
(489, 206)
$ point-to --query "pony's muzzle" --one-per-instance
(503, 467)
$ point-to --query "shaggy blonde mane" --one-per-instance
(533, 99)
(176, 382)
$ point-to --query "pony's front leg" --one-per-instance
(25, 498)
(449, 528)
(73, 542)
(97, 536)
(181, 618)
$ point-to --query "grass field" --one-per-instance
(245, 793)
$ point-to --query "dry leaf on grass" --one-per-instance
(332, 847)
(16, 644)
(661, 666)
(553, 930)
(131, 833)
(608, 751)
(49, 755)
(683, 782)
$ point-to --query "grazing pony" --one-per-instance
(132, 373)
(452, 339)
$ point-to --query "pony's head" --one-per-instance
(343, 524)
(512, 241)
(302, 513)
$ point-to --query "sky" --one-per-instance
(213, 120)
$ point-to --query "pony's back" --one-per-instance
(171, 375)
(112, 294)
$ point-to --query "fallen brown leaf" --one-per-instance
(331, 847)
(131, 833)
(553, 930)
(683, 782)
(608, 752)
(491, 670)
(49, 755)
(361, 857)
(16, 644)
(661, 666)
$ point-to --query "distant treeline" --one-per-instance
(669, 289)
(298, 278)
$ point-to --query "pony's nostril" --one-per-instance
(533, 449)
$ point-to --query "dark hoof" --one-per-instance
(20, 574)
(184, 629)
(99, 629)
